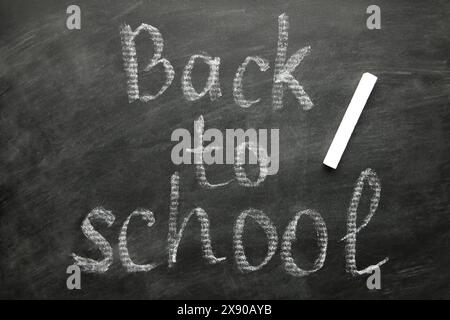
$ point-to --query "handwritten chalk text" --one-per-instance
(282, 75)
(175, 234)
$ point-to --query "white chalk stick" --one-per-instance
(349, 120)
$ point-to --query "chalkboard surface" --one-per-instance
(71, 141)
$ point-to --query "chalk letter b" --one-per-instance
(374, 20)
(131, 63)
(74, 20)
(74, 280)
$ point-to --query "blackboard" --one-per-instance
(71, 142)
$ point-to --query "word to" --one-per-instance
(255, 141)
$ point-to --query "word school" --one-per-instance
(175, 234)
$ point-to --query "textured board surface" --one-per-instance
(70, 141)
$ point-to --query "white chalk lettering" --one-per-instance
(270, 231)
(350, 248)
(290, 235)
(239, 98)
(131, 63)
(212, 84)
(87, 264)
(129, 265)
(174, 236)
(283, 70)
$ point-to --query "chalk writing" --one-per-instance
(255, 141)
(90, 265)
(283, 69)
(129, 265)
(350, 248)
(290, 236)
(212, 84)
(270, 231)
(282, 73)
(175, 235)
(131, 64)
(238, 94)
